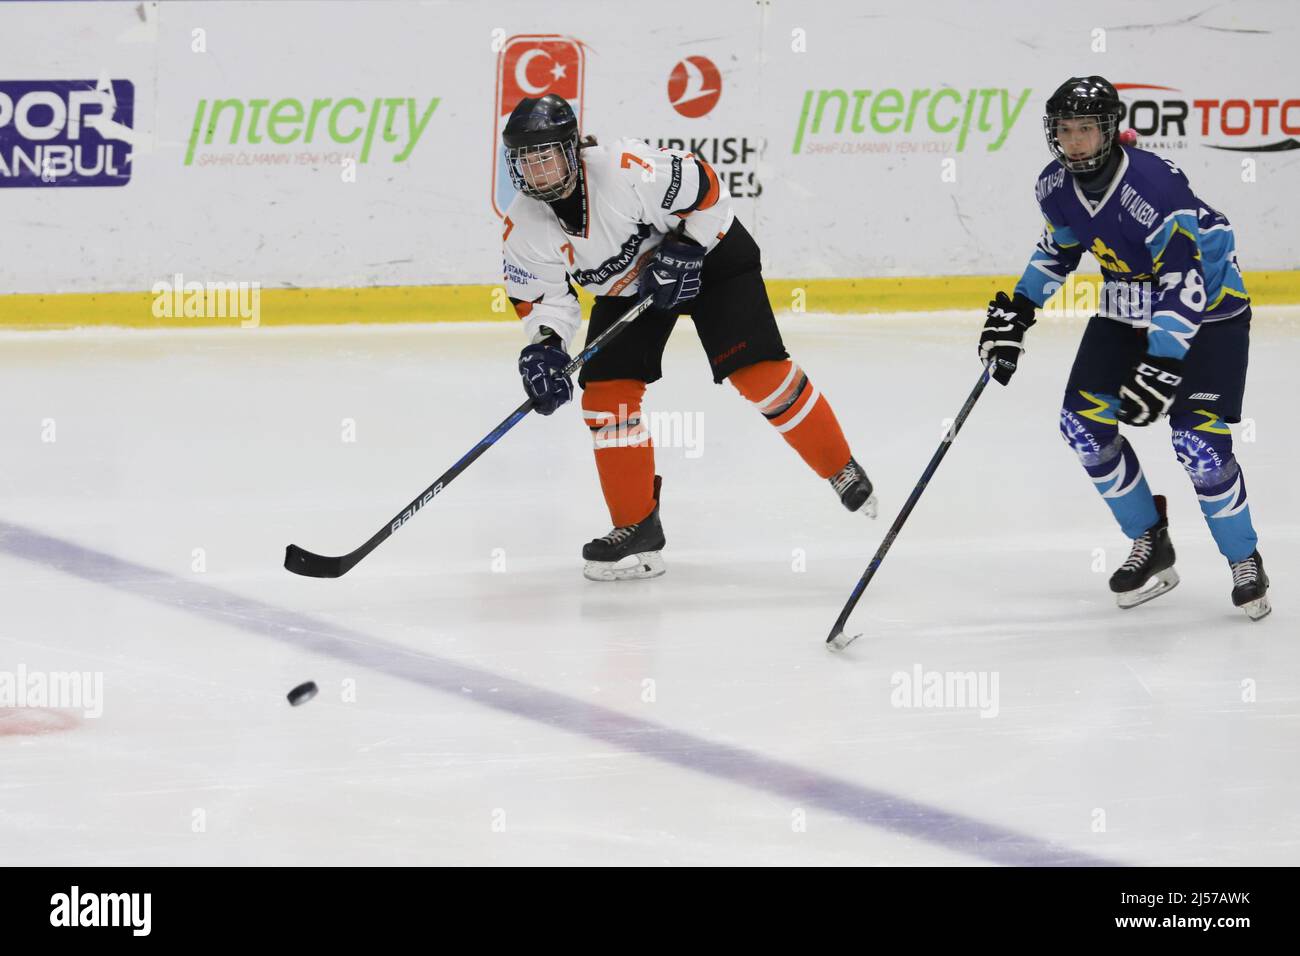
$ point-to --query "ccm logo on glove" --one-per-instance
(1159, 374)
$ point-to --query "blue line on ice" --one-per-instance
(877, 808)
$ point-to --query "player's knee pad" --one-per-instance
(773, 387)
(1089, 426)
(612, 410)
(1203, 443)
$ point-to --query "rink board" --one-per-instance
(486, 303)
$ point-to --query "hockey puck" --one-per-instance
(1128, 137)
(302, 693)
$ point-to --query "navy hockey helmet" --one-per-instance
(1083, 98)
(541, 142)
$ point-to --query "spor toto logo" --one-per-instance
(1260, 124)
(694, 86)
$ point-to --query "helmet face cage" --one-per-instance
(1107, 122)
(554, 163)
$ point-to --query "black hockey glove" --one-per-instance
(1003, 338)
(541, 366)
(673, 275)
(1150, 389)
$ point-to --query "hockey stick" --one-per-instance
(301, 561)
(837, 640)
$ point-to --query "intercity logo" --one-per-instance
(66, 132)
(527, 66)
(694, 86)
(988, 113)
(1175, 119)
(400, 120)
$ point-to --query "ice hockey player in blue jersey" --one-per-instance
(1171, 336)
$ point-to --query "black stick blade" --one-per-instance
(313, 565)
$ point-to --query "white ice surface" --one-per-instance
(502, 716)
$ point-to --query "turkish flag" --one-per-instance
(531, 66)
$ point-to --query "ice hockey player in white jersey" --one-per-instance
(626, 220)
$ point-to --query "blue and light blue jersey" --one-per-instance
(1163, 253)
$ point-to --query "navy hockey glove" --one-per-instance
(1150, 389)
(1003, 338)
(541, 366)
(673, 276)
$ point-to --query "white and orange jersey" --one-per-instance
(635, 195)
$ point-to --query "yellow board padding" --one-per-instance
(482, 303)
(275, 307)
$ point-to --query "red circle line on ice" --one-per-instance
(35, 721)
(694, 86)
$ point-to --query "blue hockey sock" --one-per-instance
(1203, 444)
(1092, 430)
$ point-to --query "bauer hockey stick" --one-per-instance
(301, 561)
(837, 640)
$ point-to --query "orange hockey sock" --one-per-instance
(625, 456)
(803, 416)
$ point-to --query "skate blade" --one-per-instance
(1160, 582)
(870, 508)
(634, 567)
(1258, 608)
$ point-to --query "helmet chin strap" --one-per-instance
(571, 208)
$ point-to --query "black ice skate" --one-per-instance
(629, 552)
(1250, 587)
(854, 488)
(1152, 559)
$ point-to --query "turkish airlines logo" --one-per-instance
(694, 86)
(530, 66)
